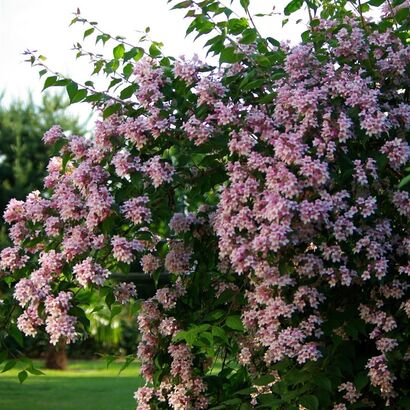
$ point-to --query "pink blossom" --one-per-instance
(178, 257)
(380, 376)
(124, 292)
(198, 131)
(15, 211)
(87, 272)
(135, 210)
(124, 163)
(181, 222)
(59, 324)
(10, 259)
(159, 172)
(52, 135)
(401, 200)
(351, 395)
(398, 152)
(150, 263)
(123, 249)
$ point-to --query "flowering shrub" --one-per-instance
(269, 191)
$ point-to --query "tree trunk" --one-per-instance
(56, 357)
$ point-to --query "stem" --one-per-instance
(38, 62)
(95, 26)
(95, 58)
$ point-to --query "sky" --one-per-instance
(43, 25)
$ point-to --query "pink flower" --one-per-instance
(159, 172)
(87, 272)
(124, 163)
(59, 324)
(123, 249)
(351, 395)
(53, 134)
(135, 130)
(380, 376)
(177, 259)
(150, 263)
(124, 292)
(187, 70)
(11, 259)
(181, 222)
(398, 152)
(29, 321)
(401, 200)
(143, 396)
(198, 131)
(135, 210)
(15, 211)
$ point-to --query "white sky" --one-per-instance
(43, 25)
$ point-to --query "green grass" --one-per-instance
(86, 385)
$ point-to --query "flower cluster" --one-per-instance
(298, 228)
(281, 227)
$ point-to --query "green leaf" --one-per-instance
(234, 322)
(248, 36)
(115, 310)
(246, 392)
(182, 5)
(402, 14)
(264, 380)
(229, 55)
(9, 365)
(128, 91)
(232, 402)
(102, 37)
(404, 181)
(139, 54)
(22, 376)
(109, 359)
(127, 70)
(3, 356)
(245, 4)
(361, 380)
(220, 333)
(268, 400)
(254, 84)
(79, 96)
(154, 50)
(50, 81)
(15, 333)
(88, 32)
(114, 82)
(237, 26)
(109, 299)
(128, 361)
(293, 6)
(266, 99)
(72, 89)
(310, 402)
(34, 371)
(111, 109)
(322, 381)
(118, 51)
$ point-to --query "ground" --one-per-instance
(86, 385)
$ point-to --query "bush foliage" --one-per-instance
(271, 189)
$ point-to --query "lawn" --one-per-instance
(86, 385)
